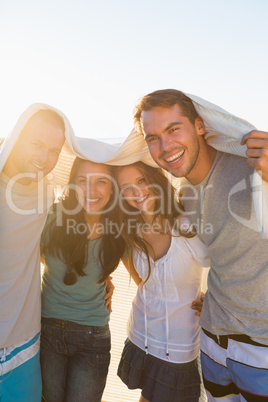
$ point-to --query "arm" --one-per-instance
(109, 293)
(41, 254)
(132, 271)
(257, 152)
(198, 304)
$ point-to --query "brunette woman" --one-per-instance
(80, 252)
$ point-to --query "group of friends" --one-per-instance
(164, 236)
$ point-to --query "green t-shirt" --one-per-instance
(82, 302)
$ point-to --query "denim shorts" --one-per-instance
(159, 381)
(74, 360)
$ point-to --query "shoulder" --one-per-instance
(192, 243)
(183, 224)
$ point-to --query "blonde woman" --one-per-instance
(165, 260)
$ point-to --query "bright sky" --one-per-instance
(94, 59)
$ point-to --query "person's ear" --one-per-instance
(200, 126)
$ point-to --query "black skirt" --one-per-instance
(160, 381)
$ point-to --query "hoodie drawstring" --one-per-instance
(166, 306)
(145, 313)
(166, 312)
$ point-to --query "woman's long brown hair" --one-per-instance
(71, 246)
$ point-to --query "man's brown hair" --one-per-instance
(164, 98)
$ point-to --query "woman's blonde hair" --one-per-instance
(167, 209)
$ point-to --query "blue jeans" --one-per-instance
(74, 361)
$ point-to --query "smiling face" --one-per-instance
(173, 141)
(135, 190)
(93, 186)
(36, 151)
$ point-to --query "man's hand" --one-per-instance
(198, 305)
(257, 152)
(109, 293)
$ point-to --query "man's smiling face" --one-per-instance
(36, 151)
(172, 139)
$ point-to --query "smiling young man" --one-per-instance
(177, 144)
(217, 190)
(37, 149)
(25, 196)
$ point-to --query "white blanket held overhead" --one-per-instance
(224, 132)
